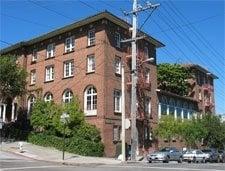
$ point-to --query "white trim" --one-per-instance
(69, 44)
(49, 73)
(116, 98)
(92, 111)
(68, 66)
(50, 51)
(91, 37)
(90, 63)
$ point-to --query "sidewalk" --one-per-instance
(52, 155)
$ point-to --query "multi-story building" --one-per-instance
(84, 59)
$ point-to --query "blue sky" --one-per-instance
(193, 31)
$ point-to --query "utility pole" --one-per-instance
(134, 133)
(123, 135)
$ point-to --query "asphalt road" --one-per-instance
(12, 162)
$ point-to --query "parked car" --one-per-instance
(194, 156)
(165, 155)
(213, 155)
(222, 155)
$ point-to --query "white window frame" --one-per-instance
(91, 37)
(147, 76)
(90, 63)
(50, 50)
(117, 133)
(146, 52)
(67, 96)
(48, 97)
(30, 103)
(68, 67)
(118, 39)
(49, 73)
(92, 95)
(118, 65)
(33, 77)
(34, 55)
(69, 44)
(148, 105)
(117, 101)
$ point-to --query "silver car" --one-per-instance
(195, 156)
(165, 155)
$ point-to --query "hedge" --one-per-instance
(75, 145)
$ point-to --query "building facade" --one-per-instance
(84, 59)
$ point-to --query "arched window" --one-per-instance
(30, 103)
(90, 100)
(67, 96)
(48, 97)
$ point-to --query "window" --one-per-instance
(34, 55)
(68, 68)
(147, 76)
(147, 106)
(118, 65)
(117, 39)
(51, 50)
(91, 37)
(146, 52)
(48, 97)
(90, 101)
(90, 63)
(33, 77)
(30, 103)
(117, 101)
(67, 96)
(49, 73)
(116, 133)
(69, 44)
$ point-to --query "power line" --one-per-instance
(27, 21)
(48, 9)
(150, 14)
(86, 4)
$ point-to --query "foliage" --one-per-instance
(215, 131)
(81, 137)
(167, 128)
(12, 78)
(173, 78)
(192, 132)
(76, 145)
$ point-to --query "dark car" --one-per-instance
(165, 155)
(222, 155)
(214, 156)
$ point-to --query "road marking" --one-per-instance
(31, 167)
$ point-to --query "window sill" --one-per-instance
(89, 46)
(68, 52)
(48, 81)
(91, 72)
(116, 141)
(90, 113)
(32, 84)
(68, 77)
(50, 58)
(117, 112)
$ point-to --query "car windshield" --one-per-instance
(206, 151)
(189, 152)
(165, 150)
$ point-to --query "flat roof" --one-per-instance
(102, 15)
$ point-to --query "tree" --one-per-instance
(173, 78)
(192, 132)
(215, 131)
(12, 78)
(168, 128)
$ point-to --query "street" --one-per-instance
(14, 162)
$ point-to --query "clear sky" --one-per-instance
(193, 31)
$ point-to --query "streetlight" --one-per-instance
(64, 119)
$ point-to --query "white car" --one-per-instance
(195, 156)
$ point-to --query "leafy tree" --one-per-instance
(192, 132)
(168, 128)
(173, 78)
(12, 78)
(215, 131)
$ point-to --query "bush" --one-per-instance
(76, 145)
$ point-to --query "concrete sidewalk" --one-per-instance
(52, 155)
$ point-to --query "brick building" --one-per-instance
(84, 59)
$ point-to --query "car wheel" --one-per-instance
(189, 161)
(203, 160)
(180, 160)
(194, 160)
(167, 160)
(218, 160)
(150, 161)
